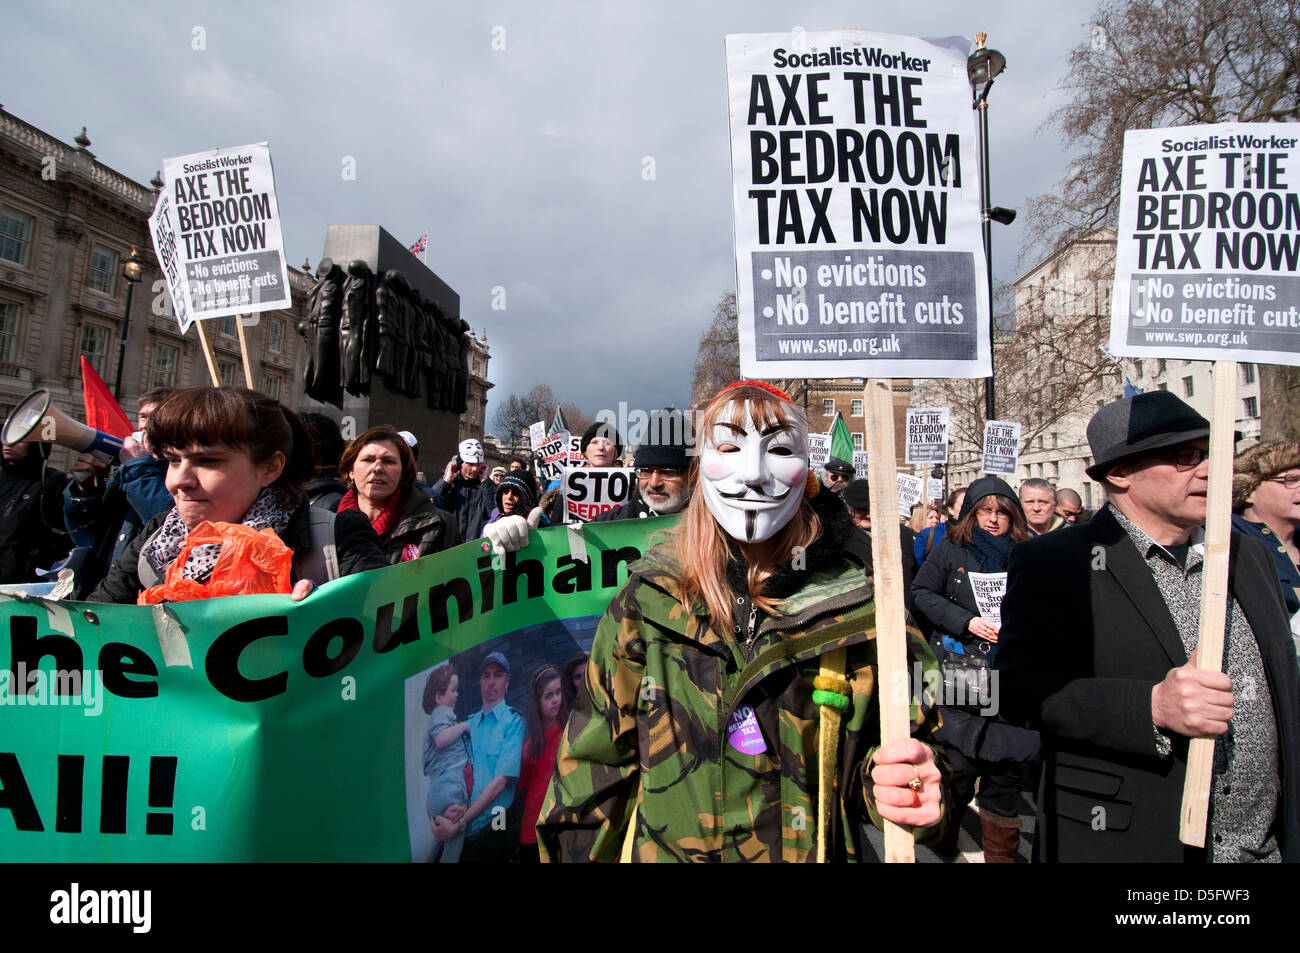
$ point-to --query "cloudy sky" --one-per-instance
(516, 133)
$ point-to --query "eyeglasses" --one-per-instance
(1188, 457)
(665, 473)
(1288, 480)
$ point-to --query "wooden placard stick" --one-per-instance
(887, 571)
(243, 353)
(1214, 594)
(207, 354)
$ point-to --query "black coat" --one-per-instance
(470, 503)
(357, 545)
(943, 593)
(32, 534)
(1085, 638)
(422, 523)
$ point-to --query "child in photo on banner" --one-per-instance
(446, 756)
(547, 715)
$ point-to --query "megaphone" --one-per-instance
(36, 420)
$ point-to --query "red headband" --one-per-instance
(763, 385)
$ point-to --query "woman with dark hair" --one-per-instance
(976, 743)
(711, 726)
(234, 456)
(547, 713)
(379, 470)
(573, 672)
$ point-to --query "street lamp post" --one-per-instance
(982, 67)
(132, 269)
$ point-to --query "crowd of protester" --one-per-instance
(1063, 704)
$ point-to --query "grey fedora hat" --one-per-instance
(1137, 425)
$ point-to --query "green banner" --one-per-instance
(256, 729)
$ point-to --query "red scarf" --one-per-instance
(387, 518)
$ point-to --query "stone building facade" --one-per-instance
(67, 223)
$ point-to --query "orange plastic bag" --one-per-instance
(251, 562)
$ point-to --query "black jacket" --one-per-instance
(470, 503)
(32, 534)
(357, 545)
(422, 523)
(1085, 637)
(943, 592)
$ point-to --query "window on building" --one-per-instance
(1040, 441)
(95, 339)
(1248, 373)
(15, 236)
(226, 370)
(1055, 439)
(1161, 364)
(1252, 407)
(103, 270)
(1137, 368)
(228, 325)
(855, 407)
(1188, 390)
(9, 315)
(1162, 386)
(275, 336)
(166, 360)
(828, 407)
(271, 387)
(858, 442)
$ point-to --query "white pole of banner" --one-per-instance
(1214, 593)
(887, 572)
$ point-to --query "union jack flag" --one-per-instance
(421, 248)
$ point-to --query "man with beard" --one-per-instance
(662, 468)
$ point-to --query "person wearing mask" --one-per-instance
(234, 456)
(757, 561)
(464, 492)
(379, 470)
(977, 744)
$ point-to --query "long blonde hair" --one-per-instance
(702, 547)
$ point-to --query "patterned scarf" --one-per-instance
(267, 511)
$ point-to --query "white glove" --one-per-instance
(509, 534)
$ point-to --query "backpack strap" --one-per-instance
(321, 563)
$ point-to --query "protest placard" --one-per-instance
(227, 226)
(576, 459)
(537, 434)
(933, 489)
(590, 491)
(167, 248)
(860, 464)
(909, 493)
(819, 450)
(927, 435)
(1001, 447)
(253, 728)
(857, 207)
(989, 589)
(553, 455)
(1209, 244)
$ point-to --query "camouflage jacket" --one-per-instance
(650, 735)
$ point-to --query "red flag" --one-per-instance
(102, 411)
